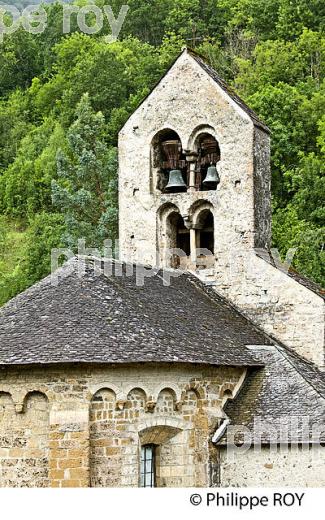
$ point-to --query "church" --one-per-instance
(195, 359)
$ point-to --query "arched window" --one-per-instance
(155, 456)
(207, 177)
(179, 238)
(169, 163)
(205, 239)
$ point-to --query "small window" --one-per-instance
(147, 467)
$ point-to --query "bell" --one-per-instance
(212, 178)
(176, 181)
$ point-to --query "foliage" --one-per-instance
(86, 188)
(12, 253)
(44, 234)
(270, 51)
(26, 183)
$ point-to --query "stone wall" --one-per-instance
(24, 441)
(189, 102)
(78, 427)
(276, 302)
(293, 466)
(262, 189)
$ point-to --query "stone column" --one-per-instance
(191, 187)
(193, 245)
(191, 158)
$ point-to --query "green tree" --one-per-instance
(86, 190)
(270, 51)
(15, 122)
(19, 61)
(289, 231)
(44, 234)
(26, 184)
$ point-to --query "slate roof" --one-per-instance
(110, 319)
(285, 400)
(303, 280)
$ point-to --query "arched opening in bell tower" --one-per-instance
(207, 175)
(169, 167)
(205, 231)
(202, 220)
(179, 241)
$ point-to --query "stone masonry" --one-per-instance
(97, 369)
(190, 101)
(83, 426)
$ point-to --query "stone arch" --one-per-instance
(166, 401)
(202, 218)
(199, 135)
(196, 208)
(205, 145)
(25, 439)
(105, 386)
(204, 128)
(169, 386)
(105, 458)
(104, 394)
(157, 420)
(227, 391)
(136, 400)
(35, 398)
(165, 130)
(158, 434)
(165, 210)
(143, 388)
(194, 389)
(166, 154)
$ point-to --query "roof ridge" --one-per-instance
(204, 63)
(283, 349)
(43, 281)
(266, 255)
(287, 352)
(206, 66)
(212, 292)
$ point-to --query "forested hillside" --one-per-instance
(63, 99)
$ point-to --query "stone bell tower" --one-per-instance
(194, 193)
(194, 172)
